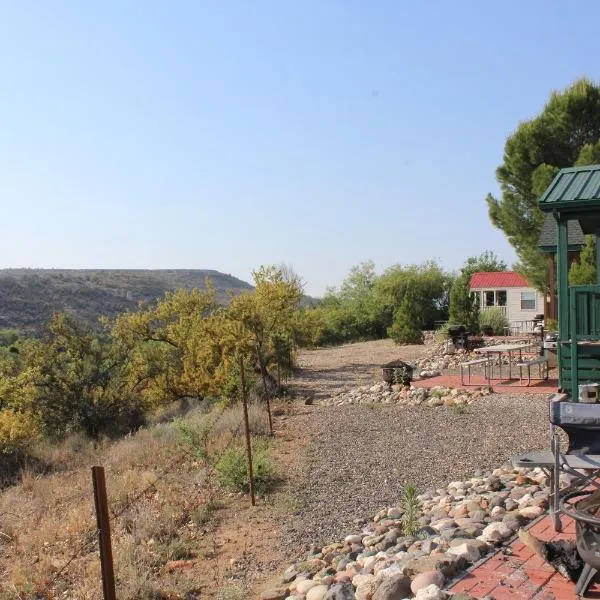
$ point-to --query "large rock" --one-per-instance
(423, 580)
(366, 590)
(396, 587)
(302, 587)
(275, 594)
(465, 551)
(531, 512)
(317, 593)
(340, 591)
(448, 565)
(495, 533)
(431, 592)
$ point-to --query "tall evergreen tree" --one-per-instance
(565, 133)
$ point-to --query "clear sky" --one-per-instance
(230, 134)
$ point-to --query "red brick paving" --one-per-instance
(522, 575)
(549, 386)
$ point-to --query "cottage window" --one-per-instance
(489, 299)
(527, 300)
(501, 298)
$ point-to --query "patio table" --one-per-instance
(500, 349)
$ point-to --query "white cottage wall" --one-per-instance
(513, 302)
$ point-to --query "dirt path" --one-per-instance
(328, 371)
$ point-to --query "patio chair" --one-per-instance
(580, 460)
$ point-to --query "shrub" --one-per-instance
(410, 521)
(495, 319)
(551, 325)
(405, 328)
(232, 470)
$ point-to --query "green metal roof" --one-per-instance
(549, 235)
(576, 187)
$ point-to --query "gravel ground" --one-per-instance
(359, 457)
(325, 372)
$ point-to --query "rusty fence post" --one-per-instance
(103, 521)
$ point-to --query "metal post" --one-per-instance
(103, 521)
(247, 431)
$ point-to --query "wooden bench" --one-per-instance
(471, 363)
(540, 361)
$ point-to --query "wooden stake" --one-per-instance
(103, 521)
(247, 431)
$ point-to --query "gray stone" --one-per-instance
(396, 587)
(340, 591)
(496, 532)
(289, 574)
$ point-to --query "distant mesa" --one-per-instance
(28, 297)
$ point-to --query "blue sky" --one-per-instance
(231, 134)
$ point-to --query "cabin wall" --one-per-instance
(514, 311)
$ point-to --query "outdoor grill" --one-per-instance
(584, 512)
(461, 338)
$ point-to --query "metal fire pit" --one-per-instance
(392, 370)
(587, 525)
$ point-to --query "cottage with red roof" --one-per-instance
(510, 292)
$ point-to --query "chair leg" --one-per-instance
(556, 484)
(585, 579)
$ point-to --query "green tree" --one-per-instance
(175, 348)
(269, 313)
(583, 270)
(464, 309)
(70, 380)
(565, 133)
(410, 299)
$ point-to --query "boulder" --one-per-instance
(317, 593)
(395, 587)
(340, 591)
(423, 580)
(279, 593)
(431, 592)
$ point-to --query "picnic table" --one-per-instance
(501, 349)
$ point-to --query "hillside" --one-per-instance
(29, 296)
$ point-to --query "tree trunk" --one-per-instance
(264, 374)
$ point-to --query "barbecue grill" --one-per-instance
(461, 338)
(587, 525)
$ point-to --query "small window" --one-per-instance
(527, 300)
(489, 299)
(501, 297)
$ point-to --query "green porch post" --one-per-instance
(596, 240)
(562, 274)
(562, 277)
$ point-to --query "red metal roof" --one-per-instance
(500, 279)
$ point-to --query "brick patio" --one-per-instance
(549, 386)
(522, 575)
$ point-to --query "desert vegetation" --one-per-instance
(73, 379)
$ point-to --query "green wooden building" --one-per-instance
(574, 195)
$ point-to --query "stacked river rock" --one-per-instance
(455, 528)
(381, 393)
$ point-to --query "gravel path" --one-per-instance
(359, 457)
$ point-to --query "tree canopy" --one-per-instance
(464, 309)
(564, 134)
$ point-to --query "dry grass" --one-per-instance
(46, 520)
